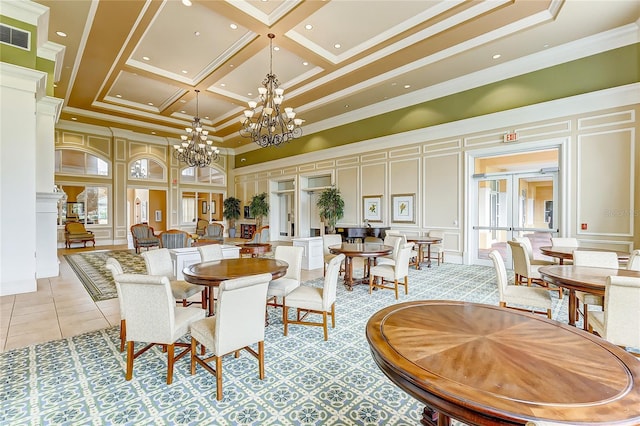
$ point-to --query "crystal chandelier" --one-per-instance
(196, 150)
(270, 126)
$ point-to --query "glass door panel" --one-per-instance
(492, 222)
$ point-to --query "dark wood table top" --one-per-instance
(361, 249)
(423, 239)
(567, 252)
(214, 272)
(582, 278)
(484, 365)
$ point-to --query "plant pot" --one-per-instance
(232, 232)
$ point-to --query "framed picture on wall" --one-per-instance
(403, 208)
(372, 208)
(158, 215)
(204, 207)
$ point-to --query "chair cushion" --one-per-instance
(596, 321)
(203, 331)
(282, 287)
(183, 318)
(148, 241)
(305, 297)
(385, 271)
(589, 299)
(184, 290)
(385, 261)
(529, 296)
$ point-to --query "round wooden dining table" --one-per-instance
(421, 242)
(366, 250)
(566, 253)
(211, 274)
(487, 365)
(581, 278)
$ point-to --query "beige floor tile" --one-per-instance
(113, 319)
(44, 316)
(74, 317)
(3, 342)
(110, 310)
(79, 327)
(31, 338)
(26, 309)
(33, 327)
(32, 299)
(7, 300)
(71, 305)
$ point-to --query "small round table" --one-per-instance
(421, 242)
(351, 250)
(254, 249)
(486, 365)
(562, 253)
(211, 274)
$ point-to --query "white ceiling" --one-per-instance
(385, 45)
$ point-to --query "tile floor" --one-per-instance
(61, 307)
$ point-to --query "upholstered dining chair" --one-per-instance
(519, 295)
(210, 252)
(238, 323)
(284, 285)
(525, 272)
(201, 226)
(526, 242)
(144, 236)
(437, 250)
(619, 322)
(564, 242)
(174, 238)
(115, 268)
(157, 321)
(394, 241)
(392, 272)
(308, 299)
(261, 236)
(634, 261)
(329, 240)
(159, 262)
(596, 259)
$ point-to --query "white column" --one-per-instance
(19, 89)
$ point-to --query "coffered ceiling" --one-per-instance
(135, 64)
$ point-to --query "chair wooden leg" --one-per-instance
(395, 287)
(170, 351)
(261, 359)
(324, 325)
(283, 302)
(219, 377)
(129, 373)
(194, 344)
(333, 315)
(123, 334)
(585, 316)
(285, 317)
(549, 313)
(406, 285)
(370, 283)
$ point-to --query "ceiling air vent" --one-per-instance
(14, 36)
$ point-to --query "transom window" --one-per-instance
(209, 175)
(73, 162)
(146, 168)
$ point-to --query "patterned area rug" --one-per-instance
(80, 380)
(90, 269)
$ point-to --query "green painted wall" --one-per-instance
(609, 69)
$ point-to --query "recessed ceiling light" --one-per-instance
(61, 34)
(196, 33)
(337, 45)
(545, 46)
(186, 2)
(305, 63)
(146, 58)
(118, 95)
(150, 103)
(206, 117)
(249, 94)
(182, 101)
(223, 85)
(231, 65)
(233, 26)
(308, 27)
(55, 85)
(183, 111)
(153, 133)
(496, 56)
(276, 48)
(406, 86)
(185, 72)
(346, 106)
(74, 119)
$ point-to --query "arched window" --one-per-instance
(146, 168)
(204, 175)
(74, 162)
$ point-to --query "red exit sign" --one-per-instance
(510, 137)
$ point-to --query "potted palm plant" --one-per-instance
(231, 212)
(331, 207)
(259, 208)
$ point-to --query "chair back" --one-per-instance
(210, 252)
(634, 261)
(401, 268)
(240, 312)
(75, 228)
(329, 240)
(329, 289)
(115, 268)
(261, 236)
(215, 230)
(159, 262)
(148, 307)
(526, 243)
(596, 259)
(142, 230)
(293, 256)
(622, 304)
(174, 238)
(394, 241)
(501, 272)
(201, 226)
(521, 263)
(564, 242)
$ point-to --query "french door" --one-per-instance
(508, 205)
